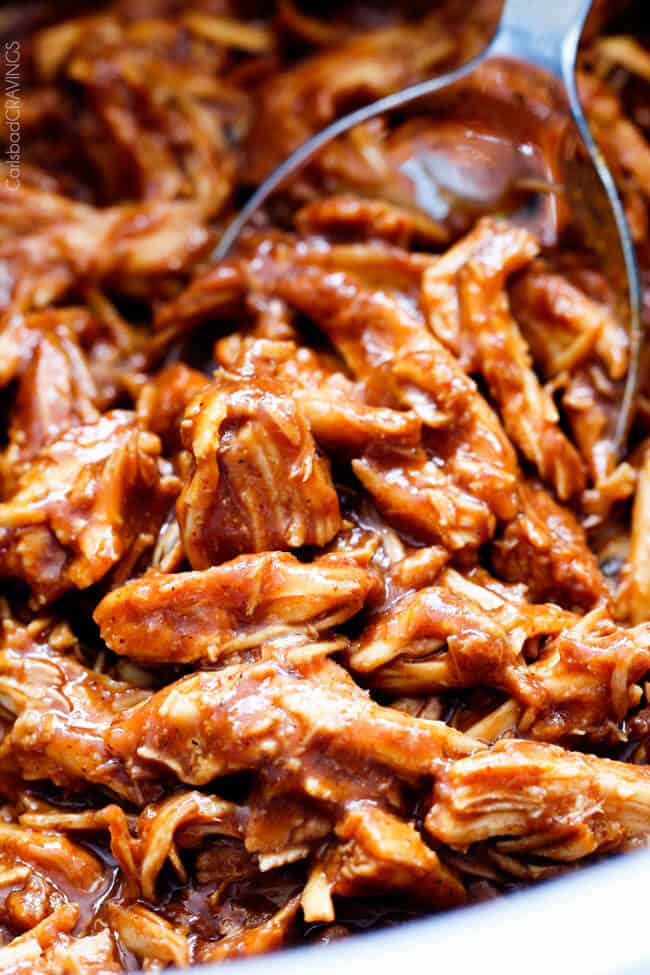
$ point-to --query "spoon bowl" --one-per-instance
(527, 151)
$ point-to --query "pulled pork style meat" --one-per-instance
(93, 497)
(236, 606)
(324, 592)
(257, 481)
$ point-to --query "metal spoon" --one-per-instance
(537, 42)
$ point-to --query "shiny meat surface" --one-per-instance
(324, 596)
(257, 481)
(546, 801)
(91, 498)
(239, 605)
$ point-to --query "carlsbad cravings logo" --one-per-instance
(12, 113)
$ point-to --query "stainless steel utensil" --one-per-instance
(538, 38)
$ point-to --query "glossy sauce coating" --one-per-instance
(324, 596)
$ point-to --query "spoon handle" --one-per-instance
(542, 32)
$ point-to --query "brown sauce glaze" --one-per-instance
(324, 597)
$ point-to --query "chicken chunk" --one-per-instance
(148, 935)
(182, 617)
(455, 634)
(61, 707)
(463, 292)
(376, 852)
(409, 488)
(95, 496)
(266, 936)
(591, 404)
(163, 400)
(308, 728)
(590, 673)
(359, 218)
(546, 548)
(25, 952)
(339, 416)
(94, 954)
(55, 392)
(209, 295)
(633, 597)
(58, 241)
(529, 414)
(540, 799)
(440, 291)
(142, 846)
(414, 494)
(564, 326)
(389, 348)
(192, 729)
(258, 481)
